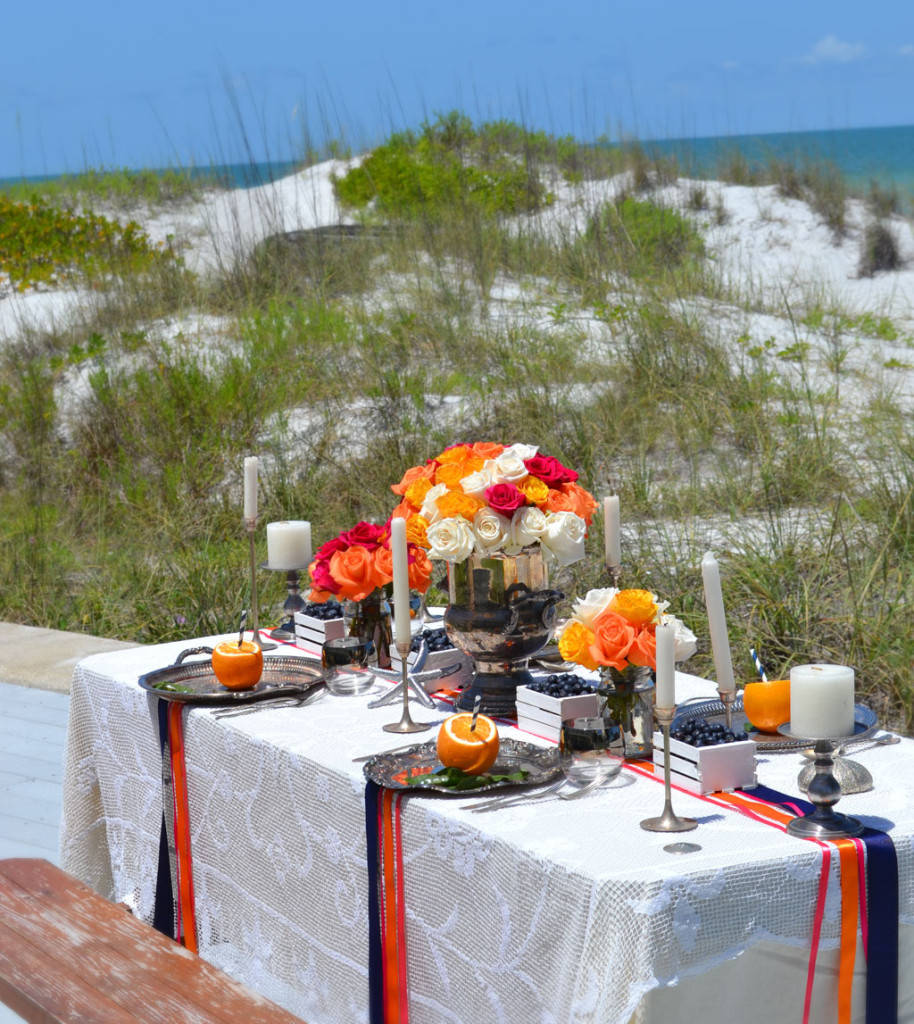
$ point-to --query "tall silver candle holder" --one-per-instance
(668, 821)
(728, 699)
(615, 574)
(406, 724)
(250, 524)
(823, 821)
(293, 603)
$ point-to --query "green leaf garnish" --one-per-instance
(457, 779)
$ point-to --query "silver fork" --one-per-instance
(277, 702)
(515, 798)
(588, 787)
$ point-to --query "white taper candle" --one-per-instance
(665, 694)
(399, 557)
(717, 623)
(612, 538)
(250, 487)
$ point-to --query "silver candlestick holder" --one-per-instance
(293, 603)
(615, 574)
(250, 524)
(668, 821)
(823, 821)
(728, 699)
(406, 724)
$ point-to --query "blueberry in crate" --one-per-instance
(562, 684)
(698, 732)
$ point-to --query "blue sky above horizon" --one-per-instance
(115, 85)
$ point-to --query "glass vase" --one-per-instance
(369, 620)
(628, 701)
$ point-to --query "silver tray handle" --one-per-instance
(190, 651)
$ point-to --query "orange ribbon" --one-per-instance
(186, 921)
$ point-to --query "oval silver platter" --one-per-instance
(390, 770)
(193, 682)
(714, 711)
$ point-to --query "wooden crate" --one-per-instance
(717, 769)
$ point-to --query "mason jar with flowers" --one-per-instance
(357, 568)
(612, 632)
(498, 515)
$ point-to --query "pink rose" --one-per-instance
(505, 499)
(366, 535)
(321, 577)
(550, 471)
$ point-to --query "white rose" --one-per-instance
(451, 539)
(593, 603)
(491, 529)
(685, 642)
(528, 524)
(520, 451)
(475, 484)
(429, 510)
(563, 537)
(508, 468)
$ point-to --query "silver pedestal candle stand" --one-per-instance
(406, 724)
(728, 699)
(823, 822)
(293, 603)
(250, 524)
(615, 574)
(668, 821)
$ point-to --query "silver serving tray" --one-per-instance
(389, 770)
(770, 742)
(195, 683)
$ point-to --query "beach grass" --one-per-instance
(445, 314)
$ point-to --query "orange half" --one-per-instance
(238, 666)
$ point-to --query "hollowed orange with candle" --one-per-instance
(767, 704)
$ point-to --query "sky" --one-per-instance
(180, 82)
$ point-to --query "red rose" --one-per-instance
(325, 551)
(321, 577)
(550, 471)
(505, 499)
(366, 535)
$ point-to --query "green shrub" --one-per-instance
(652, 238)
(41, 244)
(878, 249)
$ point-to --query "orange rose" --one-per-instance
(558, 502)
(420, 570)
(456, 503)
(416, 531)
(534, 490)
(643, 650)
(451, 474)
(583, 501)
(456, 455)
(637, 606)
(403, 511)
(612, 640)
(417, 490)
(487, 449)
(414, 473)
(574, 645)
(355, 573)
(384, 565)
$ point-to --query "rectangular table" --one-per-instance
(548, 912)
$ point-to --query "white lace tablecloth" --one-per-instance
(545, 913)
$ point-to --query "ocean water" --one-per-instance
(861, 154)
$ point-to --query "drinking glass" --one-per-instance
(590, 749)
(344, 664)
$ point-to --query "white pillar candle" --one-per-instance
(250, 487)
(612, 540)
(665, 695)
(821, 701)
(399, 557)
(717, 623)
(289, 544)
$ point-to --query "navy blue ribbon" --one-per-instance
(375, 956)
(881, 910)
(163, 911)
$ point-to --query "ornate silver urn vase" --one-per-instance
(500, 613)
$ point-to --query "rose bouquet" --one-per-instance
(488, 497)
(358, 561)
(615, 628)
